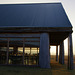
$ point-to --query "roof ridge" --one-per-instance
(32, 3)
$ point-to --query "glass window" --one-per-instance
(3, 50)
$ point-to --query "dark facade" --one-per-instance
(35, 25)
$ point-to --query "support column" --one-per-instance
(38, 56)
(23, 49)
(70, 53)
(37, 50)
(44, 54)
(7, 52)
(61, 55)
(56, 53)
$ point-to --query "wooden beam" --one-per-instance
(19, 35)
(35, 29)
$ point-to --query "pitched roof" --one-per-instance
(33, 15)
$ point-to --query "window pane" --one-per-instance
(15, 51)
(3, 50)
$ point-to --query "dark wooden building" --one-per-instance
(37, 26)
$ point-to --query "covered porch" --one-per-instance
(34, 49)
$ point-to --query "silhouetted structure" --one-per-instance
(44, 23)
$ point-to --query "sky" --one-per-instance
(69, 7)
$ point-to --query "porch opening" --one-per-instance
(22, 51)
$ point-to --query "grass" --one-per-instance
(20, 70)
(56, 69)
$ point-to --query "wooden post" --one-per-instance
(61, 54)
(70, 53)
(7, 60)
(56, 53)
(30, 50)
(30, 58)
(44, 54)
(37, 57)
(23, 49)
(37, 50)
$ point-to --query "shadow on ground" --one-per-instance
(56, 69)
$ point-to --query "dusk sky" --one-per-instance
(69, 6)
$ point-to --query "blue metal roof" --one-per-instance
(33, 15)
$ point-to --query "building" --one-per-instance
(38, 26)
